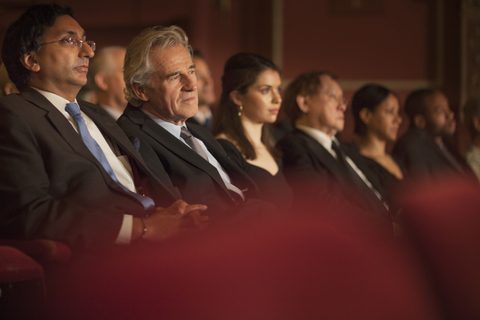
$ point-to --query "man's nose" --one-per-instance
(86, 51)
(190, 83)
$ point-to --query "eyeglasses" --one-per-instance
(339, 99)
(74, 42)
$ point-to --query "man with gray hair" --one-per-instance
(161, 87)
(106, 78)
(69, 173)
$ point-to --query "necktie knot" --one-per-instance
(185, 134)
(72, 109)
(192, 142)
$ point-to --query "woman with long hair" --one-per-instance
(377, 120)
(251, 101)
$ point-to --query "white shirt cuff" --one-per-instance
(125, 234)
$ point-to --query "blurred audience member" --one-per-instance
(251, 101)
(317, 165)
(422, 150)
(471, 112)
(376, 113)
(6, 85)
(106, 78)
(205, 90)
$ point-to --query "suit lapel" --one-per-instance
(172, 143)
(238, 176)
(322, 156)
(58, 120)
(110, 129)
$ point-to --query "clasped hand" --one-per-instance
(179, 217)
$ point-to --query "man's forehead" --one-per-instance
(435, 100)
(65, 25)
(171, 58)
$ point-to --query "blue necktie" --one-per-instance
(92, 145)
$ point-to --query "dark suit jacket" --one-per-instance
(316, 176)
(52, 187)
(422, 157)
(197, 180)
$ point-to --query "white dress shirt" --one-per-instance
(120, 165)
(115, 113)
(326, 142)
(175, 130)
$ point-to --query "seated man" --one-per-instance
(422, 149)
(315, 162)
(63, 174)
(106, 77)
(205, 90)
(161, 87)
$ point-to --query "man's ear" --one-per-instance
(30, 62)
(302, 102)
(236, 97)
(101, 81)
(420, 121)
(10, 88)
(365, 115)
(476, 123)
(140, 92)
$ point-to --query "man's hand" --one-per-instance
(167, 222)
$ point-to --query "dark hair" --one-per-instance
(369, 96)
(23, 37)
(306, 84)
(415, 103)
(240, 72)
(471, 109)
(197, 54)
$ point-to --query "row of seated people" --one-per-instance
(70, 173)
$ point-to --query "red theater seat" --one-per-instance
(22, 287)
(302, 268)
(444, 224)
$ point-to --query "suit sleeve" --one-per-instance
(307, 178)
(30, 207)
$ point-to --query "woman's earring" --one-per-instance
(240, 109)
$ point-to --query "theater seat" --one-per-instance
(22, 287)
(43, 251)
(22, 280)
(296, 268)
(443, 222)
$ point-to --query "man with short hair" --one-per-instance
(68, 171)
(106, 76)
(319, 167)
(206, 91)
(421, 149)
(161, 87)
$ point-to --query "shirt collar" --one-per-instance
(320, 136)
(56, 100)
(174, 129)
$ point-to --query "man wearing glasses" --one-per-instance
(316, 164)
(68, 172)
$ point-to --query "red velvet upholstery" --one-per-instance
(41, 250)
(304, 268)
(444, 222)
(16, 266)
(22, 280)
(22, 287)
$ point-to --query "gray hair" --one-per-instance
(138, 68)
